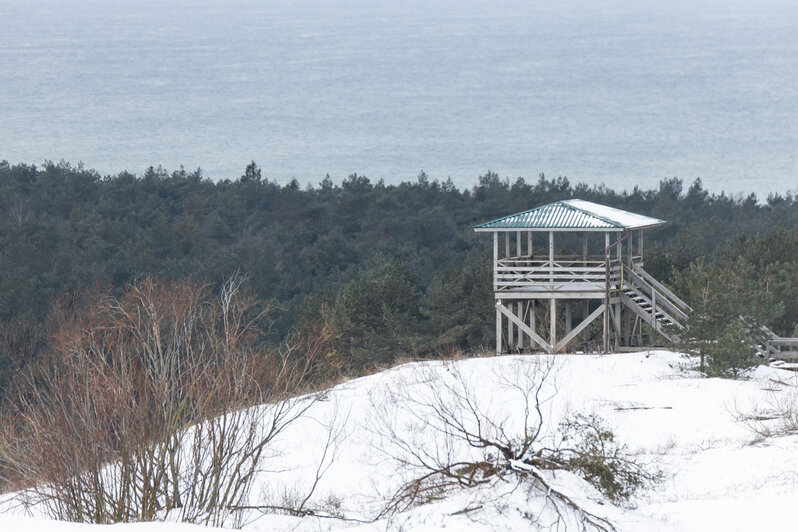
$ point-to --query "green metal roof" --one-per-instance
(573, 215)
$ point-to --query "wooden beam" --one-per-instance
(606, 331)
(630, 248)
(585, 314)
(640, 243)
(509, 335)
(553, 321)
(616, 319)
(495, 258)
(584, 245)
(587, 321)
(586, 310)
(567, 318)
(627, 326)
(498, 329)
(518, 306)
(519, 294)
(532, 334)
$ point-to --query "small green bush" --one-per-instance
(590, 449)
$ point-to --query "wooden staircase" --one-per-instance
(773, 347)
(652, 302)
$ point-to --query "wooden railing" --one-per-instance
(774, 346)
(563, 273)
(661, 299)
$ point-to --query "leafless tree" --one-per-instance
(461, 435)
(146, 408)
(17, 211)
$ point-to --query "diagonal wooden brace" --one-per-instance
(571, 335)
(524, 327)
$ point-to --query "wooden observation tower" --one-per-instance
(539, 296)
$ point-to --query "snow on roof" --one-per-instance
(571, 215)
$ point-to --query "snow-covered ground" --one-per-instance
(716, 474)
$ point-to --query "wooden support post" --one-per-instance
(498, 328)
(586, 310)
(509, 323)
(630, 249)
(510, 331)
(495, 260)
(567, 330)
(640, 244)
(627, 316)
(627, 327)
(552, 301)
(584, 247)
(567, 318)
(654, 322)
(529, 243)
(616, 324)
(618, 305)
(532, 324)
(606, 332)
(585, 314)
(519, 308)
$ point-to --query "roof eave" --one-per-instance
(567, 229)
(547, 229)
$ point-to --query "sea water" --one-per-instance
(621, 92)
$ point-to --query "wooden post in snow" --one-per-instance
(519, 307)
(552, 301)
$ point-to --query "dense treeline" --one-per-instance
(392, 269)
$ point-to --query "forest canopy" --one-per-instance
(395, 270)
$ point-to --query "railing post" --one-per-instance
(621, 285)
(654, 308)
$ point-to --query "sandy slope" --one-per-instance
(716, 478)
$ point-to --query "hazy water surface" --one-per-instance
(625, 93)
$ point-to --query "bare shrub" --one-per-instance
(777, 415)
(144, 410)
(460, 437)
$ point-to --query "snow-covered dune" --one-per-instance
(716, 475)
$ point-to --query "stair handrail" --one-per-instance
(662, 288)
(657, 296)
(656, 308)
(649, 318)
